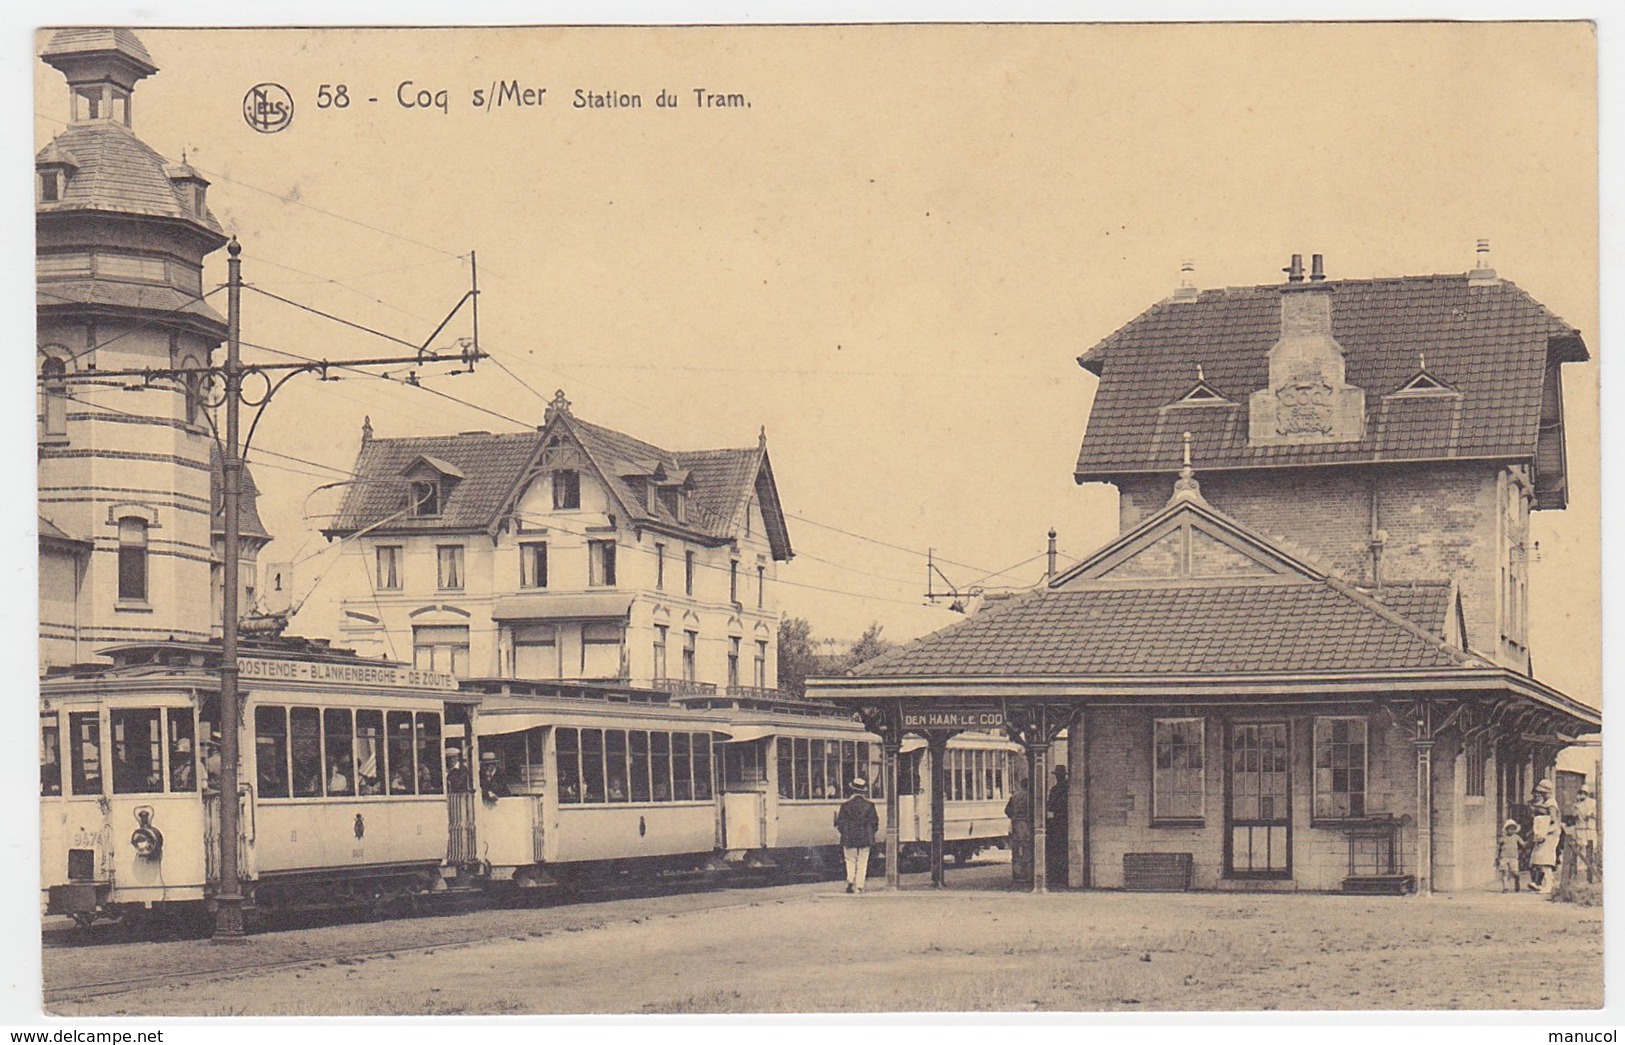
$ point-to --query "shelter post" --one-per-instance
(937, 744)
(891, 746)
(1077, 838)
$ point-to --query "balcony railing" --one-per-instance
(686, 687)
(754, 693)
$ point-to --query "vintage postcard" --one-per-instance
(1063, 518)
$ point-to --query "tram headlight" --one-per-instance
(146, 840)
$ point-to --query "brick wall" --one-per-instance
(1441, 521)
(1119, 787)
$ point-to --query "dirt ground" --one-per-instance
(811, 948)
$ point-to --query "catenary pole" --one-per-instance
(228, 923)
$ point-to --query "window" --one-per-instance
(369, 743)
(759, 673)
(399, 771)
(271, 752)
(601, 651)
(55, 395)
(536, 651)
(688, 573)
(816, 779)
(638, 744)
(691, 641)
(566, 489)
(449, 567)
(761, 586)
(1475, 753)
(568, 743)
(1339, 767)
(660, 651)
(337, 732)
(733, 661)
(601, 563)
(615, 764)
(305, 745)
(803, 768)
(50, 755)
(132, 559)
(704, 785)
(430, 755)
(48, 181)
(660, 766)
(89, 103)
(733, 580)
(441, 648)
(425, 498)
(787, 768)
(1178, 785)
(592, 765)
(138, 760)
(660, 566)
(85, 753)
(533, 565)
(389, 567)
(682, 780)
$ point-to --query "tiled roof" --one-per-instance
(117, 172)
(492, 466)
(1425, 603)
(50, 532)
(248, 511)
(1489, 342)
(83, 39)
(76, 292)
(1192, 630)
(718, 481)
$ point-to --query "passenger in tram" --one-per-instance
(180, 766)
(492, 786)
(367, 782)
(456, 773)
(400, 780)
(211, 762)
(337, 782)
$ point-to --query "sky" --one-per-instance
(890, 259)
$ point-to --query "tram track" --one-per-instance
(80, 972)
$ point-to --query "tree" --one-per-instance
(797, 656)
(869, 646)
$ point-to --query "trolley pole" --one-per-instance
(228, 924)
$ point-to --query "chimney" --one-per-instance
(1317, 268)
(1294, 271)
(1186, 291)
(1308, 399)
(1482, 274)
(1051, 574)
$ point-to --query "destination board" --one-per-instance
(952, 718)
(253, 669)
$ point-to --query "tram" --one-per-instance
(341, 794)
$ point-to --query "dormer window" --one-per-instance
(682, 506)
(566, 489)
(198, 191)
(50, 186)
(425, 499)
(651, 496)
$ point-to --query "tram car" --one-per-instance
(785, 764)
(582, 781)
(341, 787)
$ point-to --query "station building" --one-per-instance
(1304, 663)
(572, 552)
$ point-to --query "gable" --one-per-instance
(1186, 542)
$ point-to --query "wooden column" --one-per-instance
(1077, 856)
(1037, 809)
(937, 744)
(891, 745)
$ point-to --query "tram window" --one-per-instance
(336, 727)
(999, 765)
(568, 742)
(908, 773)
(787, 768)
(369, 737)
(816, 777)
(85, 753)
(832, 769)
(849, 766)
(638, 741)
(429, 753)
(182, 750)
(271, 751)
(50, 756)
(305, 744)
(592, 765)
(398, 769)
(871, 757)
(682, 782)
(138, 766)
(660, 765)
(977, 783)
(803, 768)
(703, 767)
(615, 764)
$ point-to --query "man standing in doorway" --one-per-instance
(858, 822)
(1056, 825)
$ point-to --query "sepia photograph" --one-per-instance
(983, 517)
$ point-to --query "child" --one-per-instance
(1506, 855)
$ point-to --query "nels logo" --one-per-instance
(268, 107)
